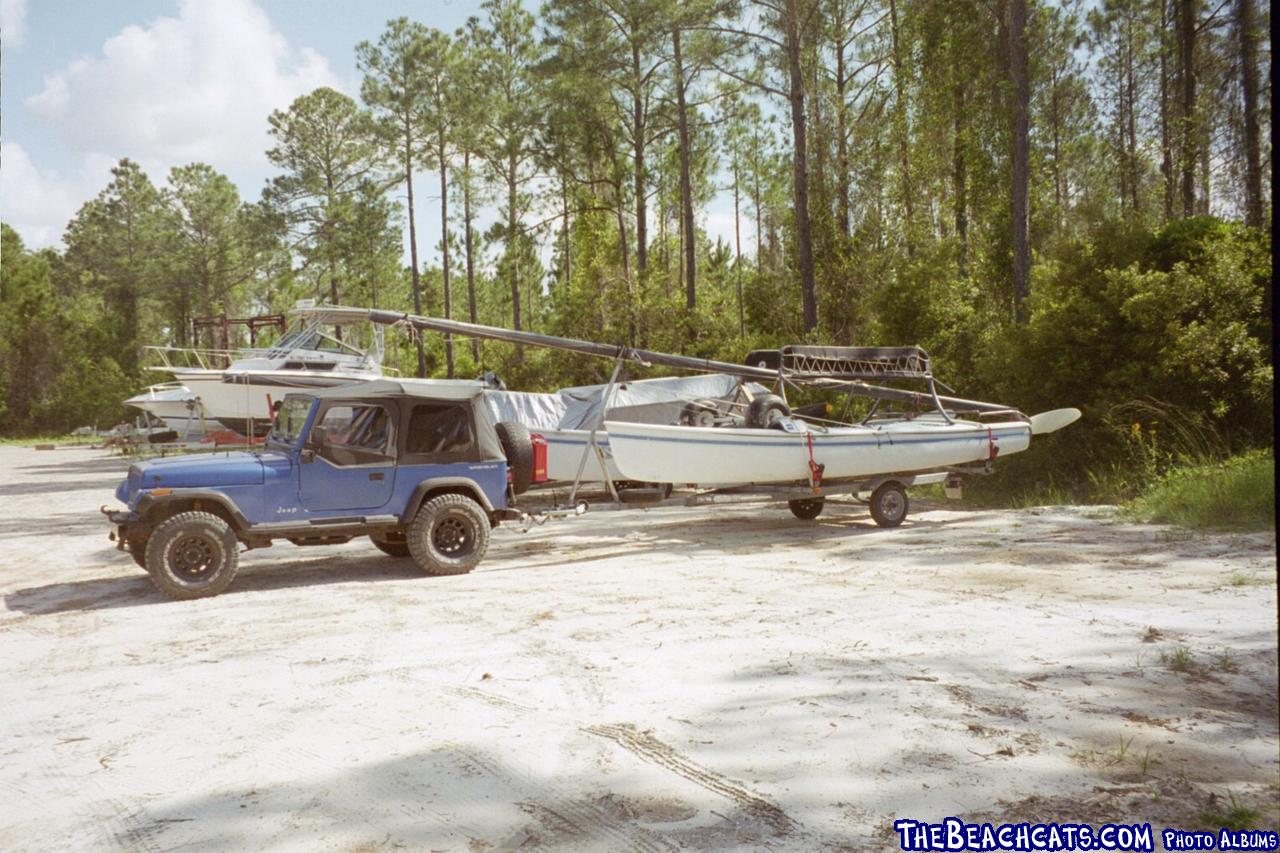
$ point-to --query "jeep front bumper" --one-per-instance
(119, 516)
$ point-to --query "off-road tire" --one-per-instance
(807, 508)
(517, 446)
(391, 544)
(192, 555)
(765, 409)
(449, 535)
(889, 504)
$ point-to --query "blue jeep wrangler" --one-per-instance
(418, 466)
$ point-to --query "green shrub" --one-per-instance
(1238, 494)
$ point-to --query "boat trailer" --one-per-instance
(850, 370)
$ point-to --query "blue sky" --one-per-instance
(168, 82)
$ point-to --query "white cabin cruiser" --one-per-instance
(322, 350)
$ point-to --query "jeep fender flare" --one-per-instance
(148, 503)
(460, 485)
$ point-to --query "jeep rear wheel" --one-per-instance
(449, 535)
(192, 555)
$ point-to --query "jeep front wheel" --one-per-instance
(449, 535)
(192, 555)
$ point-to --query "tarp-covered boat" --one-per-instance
(565, 418)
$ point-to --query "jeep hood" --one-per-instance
(197, 471)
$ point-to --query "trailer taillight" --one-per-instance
(539, 458)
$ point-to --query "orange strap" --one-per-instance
(815, 468)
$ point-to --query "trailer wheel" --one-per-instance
(391, 544)
(192, 555)
(517, 446)
(449, 535)
(766, 409)
(889, 504)
(807, 508)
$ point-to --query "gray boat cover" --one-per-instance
(645, 401)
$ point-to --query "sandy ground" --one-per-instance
(703, 678)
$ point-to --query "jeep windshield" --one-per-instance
(290, 420)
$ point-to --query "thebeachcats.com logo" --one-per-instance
(955, 834)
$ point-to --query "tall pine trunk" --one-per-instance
(1247, 29)
(1131, 120)
(1187, 16)
(413, 248)
(637, 132)
(467, 216)
(755, 200)
(901, 131)
(564, 211)
(444, 243)
(688, 245)
(959, 179)
(737, 246)
(804, 238)
(1166, 137)
(1021, 155)
(512, 247)
(621, 218)
(842, 131)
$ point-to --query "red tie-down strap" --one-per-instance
(992, 447)
(815, 468)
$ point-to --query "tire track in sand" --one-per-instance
(656, 752)
(571, 820)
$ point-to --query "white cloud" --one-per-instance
(196, 87)
(38, 204)
(13, 22)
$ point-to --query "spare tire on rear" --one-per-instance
(518, 448)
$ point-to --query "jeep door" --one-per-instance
(354, 461)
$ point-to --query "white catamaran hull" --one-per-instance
(564, 454)
(727, 456)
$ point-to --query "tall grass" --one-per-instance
(1236, 494)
